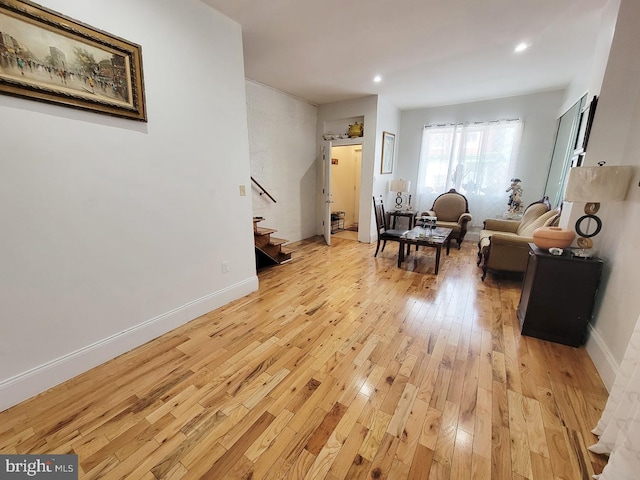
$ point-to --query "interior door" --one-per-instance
(326, 191)
(356, 188)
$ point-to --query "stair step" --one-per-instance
(264, 231)
(287, 250)
(283, 257)
(277, 241)
(275, 257)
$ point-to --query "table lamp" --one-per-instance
(595, 185)
(399, 186)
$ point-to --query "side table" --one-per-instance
(558, 295)
(403, 213)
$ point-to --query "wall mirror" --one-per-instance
(563, 152)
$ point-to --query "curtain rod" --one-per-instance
(472, 123)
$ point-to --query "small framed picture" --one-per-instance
(388, 148)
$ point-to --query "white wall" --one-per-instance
(282, 147)
(113, 231)
(388, 121)
(539, 112)
(614, 139)
(589, 79)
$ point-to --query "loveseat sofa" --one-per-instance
(504, 244)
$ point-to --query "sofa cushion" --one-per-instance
(541, 221)
(455, 226)
(531, 214)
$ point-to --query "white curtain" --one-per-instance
(619, 427)
(477, 159)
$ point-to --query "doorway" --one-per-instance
(346, 169)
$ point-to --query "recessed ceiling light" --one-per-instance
(377, 79)
(521, 47)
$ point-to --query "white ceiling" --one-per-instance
(429, 52)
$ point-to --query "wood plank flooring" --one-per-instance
(341, 366)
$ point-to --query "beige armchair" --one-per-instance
(504, 244)
(452, 211)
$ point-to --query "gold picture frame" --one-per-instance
(388, 148)
(49, 57)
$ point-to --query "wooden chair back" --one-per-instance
(381, 219)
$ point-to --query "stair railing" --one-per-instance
(262, 190)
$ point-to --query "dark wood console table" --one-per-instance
(558, 295)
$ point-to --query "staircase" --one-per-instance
(269, 250)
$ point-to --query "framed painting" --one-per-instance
(49, 57)
(388, 148)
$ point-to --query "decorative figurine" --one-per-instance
(515, 198)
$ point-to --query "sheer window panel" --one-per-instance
(476, 159)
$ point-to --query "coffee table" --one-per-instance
(419, 236)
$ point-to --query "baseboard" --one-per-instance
(602, 358)
(43, 377)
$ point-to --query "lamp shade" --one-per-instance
(598, 184)
(400, 186)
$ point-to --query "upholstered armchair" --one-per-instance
(504, 244)
(452, 211)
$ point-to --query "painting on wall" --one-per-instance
(49, 57)
(388, 147)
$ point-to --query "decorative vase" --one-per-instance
(356, 130)
(553, 237)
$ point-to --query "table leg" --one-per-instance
(400, 254)
(448, 245)
(438, 248)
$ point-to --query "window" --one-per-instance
(476, 159)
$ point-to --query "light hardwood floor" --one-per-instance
(341, 366)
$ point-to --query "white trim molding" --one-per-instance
(36, 380)
(602, 358)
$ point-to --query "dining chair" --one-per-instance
(384, 234)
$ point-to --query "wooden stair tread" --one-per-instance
(277, 241)
(264, 231)
(287, 250)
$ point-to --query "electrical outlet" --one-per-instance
(225, 267)
(243, 191)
